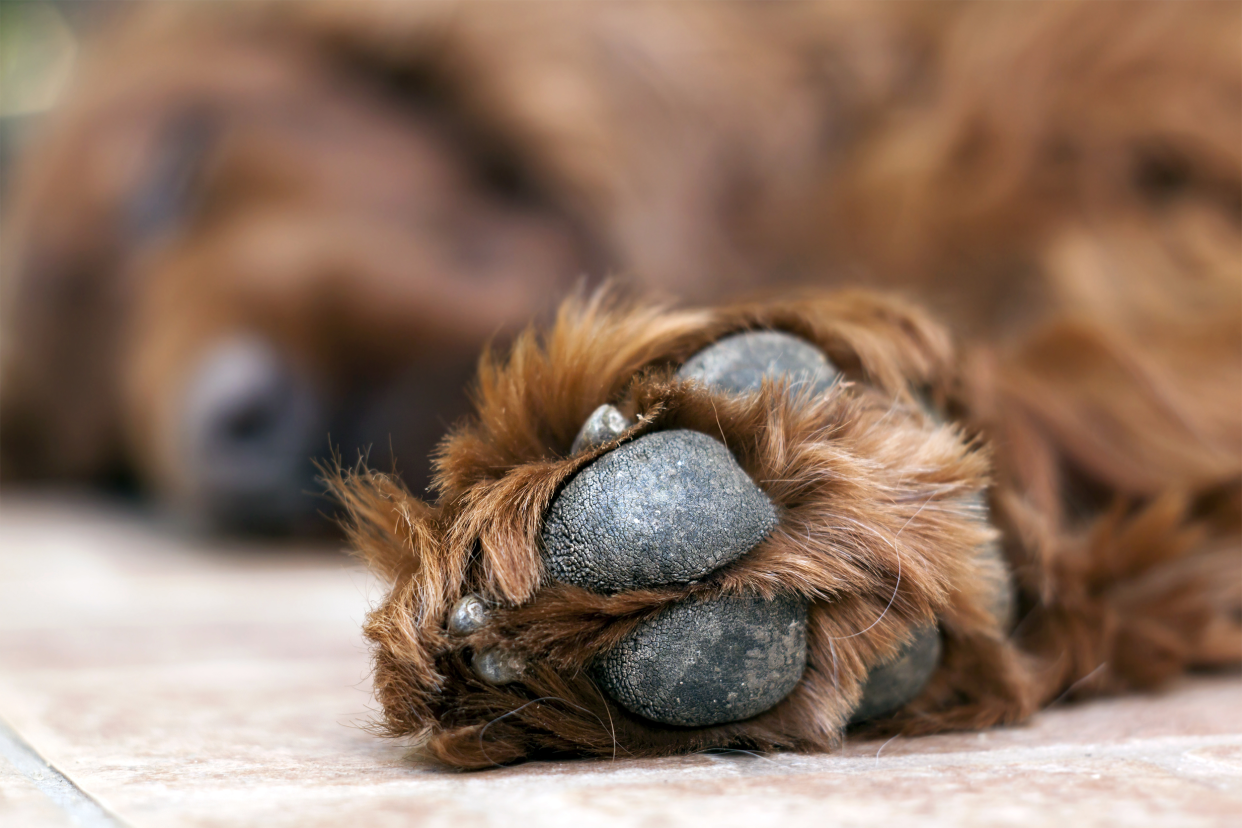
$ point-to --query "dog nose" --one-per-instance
(251, 422)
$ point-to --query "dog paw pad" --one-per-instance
(667, 508)
(701, 663)
(893, 683)
(739, 364)
(467, 616)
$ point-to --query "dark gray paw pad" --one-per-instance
(706, 663)
(895, 682)
(605, 423)
(668, 508)
(738, 364)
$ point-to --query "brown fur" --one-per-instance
(1053, 127)
(1062, 182)
(355, 232)
(998, 162)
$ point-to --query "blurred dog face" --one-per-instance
(307, 220)
(228, 252)
(236, 236)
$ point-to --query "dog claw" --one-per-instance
(469, 615)
(498, 666)
(893, 683)
(1000, 584)
(740, 363)
(702, 663)
(667, 508)
(605, 424)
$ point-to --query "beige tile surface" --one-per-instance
(22, 804)
(40, 793)
(182, 682)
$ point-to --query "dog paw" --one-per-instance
(759, 540)
(670, 508)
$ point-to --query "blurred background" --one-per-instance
(240, 237)
(40, 46)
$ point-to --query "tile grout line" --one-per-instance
(77, 803)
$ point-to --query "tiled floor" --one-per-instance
(177, 682)
(21, 803)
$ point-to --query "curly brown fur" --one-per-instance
(694, 155)
(1123, 496)
(1049, 122)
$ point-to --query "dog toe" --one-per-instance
(702, 663)
(891, 684)
(667, 508)
(740, 363)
